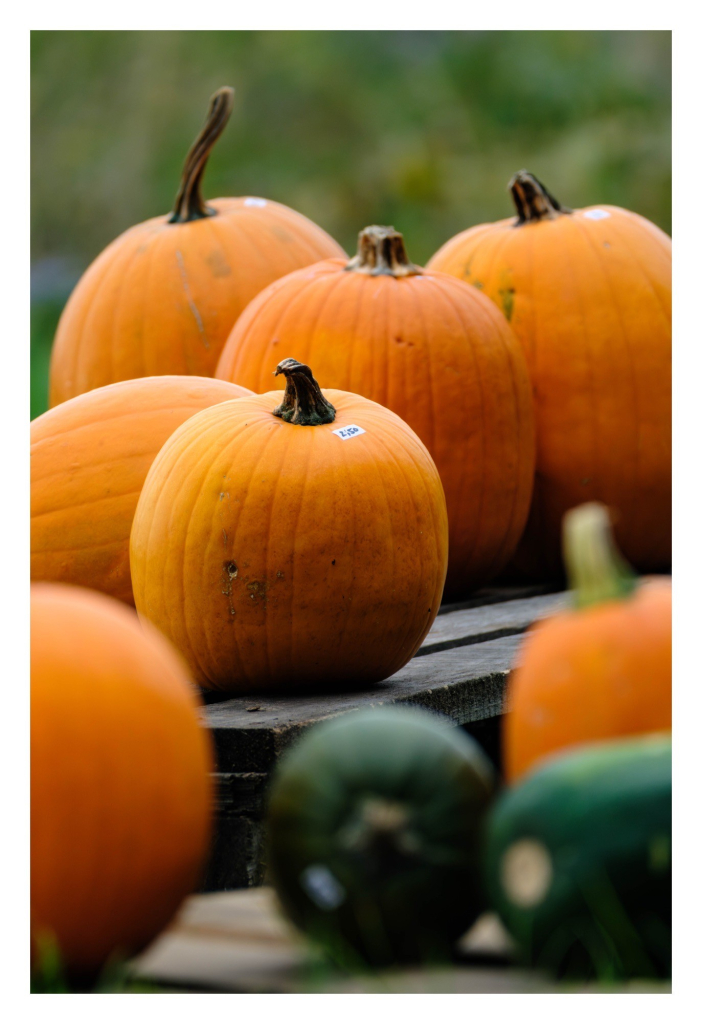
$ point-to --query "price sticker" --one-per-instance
(346, 432)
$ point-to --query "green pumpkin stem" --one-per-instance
(533, 200)
(596, 570)
(303, 402)
(189, 204)
(381, 250)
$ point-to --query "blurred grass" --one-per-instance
(49, 974)
(45, 316)
(417, 129)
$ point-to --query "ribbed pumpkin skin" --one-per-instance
(89, 459)
(590, 302)
(441, 357)
(162, 298)
(591, 674)
(120, 783)
(279, 556)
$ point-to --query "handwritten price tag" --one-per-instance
(346, 432)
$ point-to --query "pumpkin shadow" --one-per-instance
(323, 690)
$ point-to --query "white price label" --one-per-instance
(596, 214)
(346, 432)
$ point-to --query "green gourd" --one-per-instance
(374, 829)
(578, 861)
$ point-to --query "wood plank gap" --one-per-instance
(466, 641)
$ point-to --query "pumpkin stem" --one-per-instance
(189, 204)
(596, 570)
(533, 200)
(381, 250)
(381, 830)
(303, 402)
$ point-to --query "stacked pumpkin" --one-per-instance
(162, 297)
(437, 353)
(294, 544)
(121, 791)
(588, 294)
(303, 537)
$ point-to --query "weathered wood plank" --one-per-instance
(489, 622)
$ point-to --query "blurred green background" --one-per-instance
(417, 129)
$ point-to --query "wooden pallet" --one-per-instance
(460, 671)
(239, 942)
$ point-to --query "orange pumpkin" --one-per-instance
(294, 545)
(588, 294)
(435, 352)
(89, 459)
(162, 298)
(599, 671)
(120, 777)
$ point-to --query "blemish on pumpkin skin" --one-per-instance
(258, 588)
(507, 300)
(189, 298)
(217, 263)
(230, 572)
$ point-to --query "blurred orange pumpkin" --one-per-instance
(435, 352)
(588, 294)
(162, 298)
(89, 459)
(291, 545)
(599, 671)
(120, 784)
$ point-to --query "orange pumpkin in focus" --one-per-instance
(294, 545)
(588, 294)
(597, 672)
(120, 778)
(435, 352)
(162, 298)
(89, 459)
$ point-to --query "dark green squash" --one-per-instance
(374, 831)
(578, 861)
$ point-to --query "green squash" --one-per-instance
(374, 835)
(578, 861)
